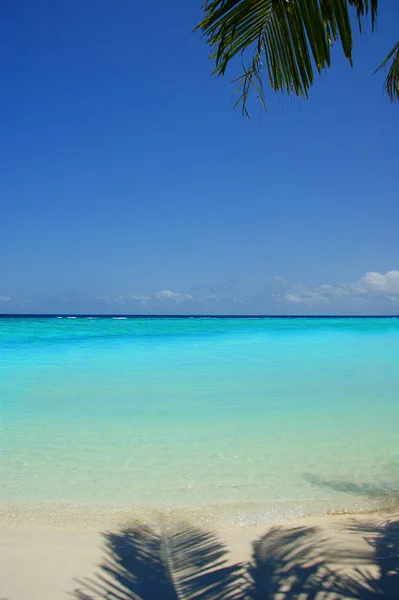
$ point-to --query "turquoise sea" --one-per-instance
(229, 420)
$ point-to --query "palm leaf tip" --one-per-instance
(391, 85)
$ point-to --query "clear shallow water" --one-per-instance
(238, 419)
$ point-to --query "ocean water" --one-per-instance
(226, 420)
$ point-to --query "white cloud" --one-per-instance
(124, 299)
(306, 297)
(146, 299)
(377, 284)
(371, 285)
(13, 301)
(165, 295)
(279, 279)
(142, 298)
(293, 298)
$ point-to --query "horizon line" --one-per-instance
(197, 316)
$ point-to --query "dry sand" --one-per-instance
(44, 563)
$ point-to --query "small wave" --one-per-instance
(119, 318)
(71, 317)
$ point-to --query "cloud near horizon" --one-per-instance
(145, 299)
(124, 299)
(165, 295)
(7, 300)
(371, 285)
(373, 293)
(171, 298)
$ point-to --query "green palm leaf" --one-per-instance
(290, 39)
(392, 79)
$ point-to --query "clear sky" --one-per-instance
(129, 184)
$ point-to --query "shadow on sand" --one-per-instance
(286, 564)
(144, 564)
(349, 487)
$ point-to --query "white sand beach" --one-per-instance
(50, 563)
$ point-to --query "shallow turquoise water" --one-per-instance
(254, 418)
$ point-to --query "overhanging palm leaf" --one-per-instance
(392, 80)
(292, 37)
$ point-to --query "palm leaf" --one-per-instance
(292, 38)
(392, 79)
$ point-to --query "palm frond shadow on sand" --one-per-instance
(381, 578)
(287, 564)
(144, 564)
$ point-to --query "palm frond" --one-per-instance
(392, 80)
(290, 38)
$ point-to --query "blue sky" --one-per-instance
(130, 185)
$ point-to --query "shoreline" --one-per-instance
(45, 562)
(207, 515)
